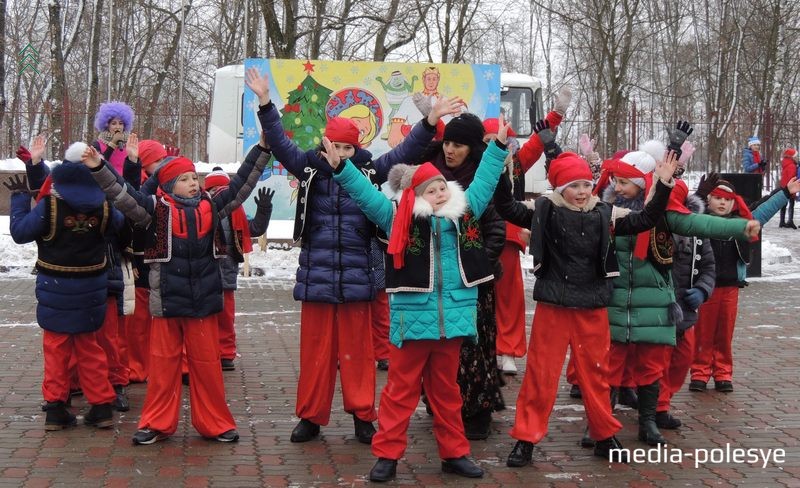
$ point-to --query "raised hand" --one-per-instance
(707, 184)
(264, 198)
(665, 169)
(172, 150)
(752, 229)
(259, 84)
(23, 154)
(562, 100)
(329, 153)
(37, 149)
(17, 184)
(117, 137)
(91, 158)
(133, 147)
(678, 135)
(502, 130)
(548, 138)
(687, 149)
(586, 145)
(445, 106)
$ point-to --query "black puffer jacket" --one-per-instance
(692, 267)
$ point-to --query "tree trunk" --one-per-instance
(59, 80)
(93, 76)
(283, 41)
(3, 101)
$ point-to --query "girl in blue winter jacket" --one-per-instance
(431, 278)
(335, 282)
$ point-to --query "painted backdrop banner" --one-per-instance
(381, 98)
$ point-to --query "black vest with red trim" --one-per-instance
(74, 245)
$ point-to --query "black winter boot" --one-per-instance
(58, 417)
(627, 397)
(783, 217)
(611, 450)
(478, 427)
(614, 396)
(521, 455)
(100, 416)
(648, 400)
(364, 430)
(121, 404)
(586, 440)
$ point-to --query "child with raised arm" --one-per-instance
(182, 247)
(572, 242)
(431, 278)
(335, 282)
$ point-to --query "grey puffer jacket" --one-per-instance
(692, 267)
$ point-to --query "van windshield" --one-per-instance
(518, 105)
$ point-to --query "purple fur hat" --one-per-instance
(108, 111)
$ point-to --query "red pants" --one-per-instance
(713, 355)
(90, 362)
(334, 335)
(677, 365)
(109, 339)
(510, 304)
(647, 362)
(436, 364)
(137, 332)
(162, 404)
(227, 334)
(379, 308)
(587, 333)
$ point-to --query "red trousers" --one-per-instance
(335, 335)
(162, 404)
(137, 332)
(227, 334)
(436, 364)
(713, 355)
(379, 308)
(647, 362)
(587, 333)
(90, 363)
(677, 365)
(510, 304)
(109, 339)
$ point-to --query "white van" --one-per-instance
(520, 101)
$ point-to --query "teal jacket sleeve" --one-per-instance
(768, 209)
(481, 190)
(375, 205)
(708, 226)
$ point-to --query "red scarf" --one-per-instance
(398, 241)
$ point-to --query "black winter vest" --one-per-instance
(74, 245)
(417, 274)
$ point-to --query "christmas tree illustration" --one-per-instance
(303, 117)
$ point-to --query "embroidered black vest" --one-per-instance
(305, 193)
(74, 245)
(417, 274)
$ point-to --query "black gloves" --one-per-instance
(678, 135)
(763, 164)
(17, 184)
(707, 183)
(264, 199)
(548, 138)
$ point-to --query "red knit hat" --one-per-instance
(342, 130)
(567, 168)
(175, 168)
(491, 126)
(789, 153)
(151, 152)
(413, 182)
(217, 177)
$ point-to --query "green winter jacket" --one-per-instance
(639, 308)
(449, 310)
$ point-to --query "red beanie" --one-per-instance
(491, 126)
(567, 168)
(217, 177)
(342, 130)
(151, 152)
(175, 168)
(789, 153)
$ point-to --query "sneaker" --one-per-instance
(144, 437)
(383, 364)
(100, 416)
(58, 417)
(228, 436)
(575, 391)
(508, 366)
(121, 403)
(723, 386)
(697, 385)
(665, 420)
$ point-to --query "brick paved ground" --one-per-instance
(763, 412)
